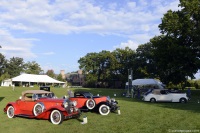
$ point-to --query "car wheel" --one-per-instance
(152, 100)
(10, 112)
(183, 100)
(56, 117)
(90, 104)
(38, 109)
(104, 109)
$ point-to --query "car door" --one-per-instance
(80, 99)
(164, 96)
(26, 106)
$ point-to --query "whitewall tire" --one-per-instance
(104, 109)
(56, 117)
(10, 112)
(38, 109)
(90, 104)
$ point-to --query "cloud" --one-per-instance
(16, 47)
(129, 44)
(136, 21)
(67, 16)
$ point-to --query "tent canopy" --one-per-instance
(35, 78)
(139, 82)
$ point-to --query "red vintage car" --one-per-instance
(86, 101)
(40, 104)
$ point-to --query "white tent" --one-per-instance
(7, 82)
(33, 78)
(141, 82)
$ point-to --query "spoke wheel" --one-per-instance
(104, 109)
(10, 112)
(56, 117)
(90, 104)
(38, 109)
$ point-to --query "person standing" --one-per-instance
(13, 87)
(189, 93)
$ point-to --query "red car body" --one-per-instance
(86, 101)
(40, 104)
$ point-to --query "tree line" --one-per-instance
(14, 66)
(172, 57)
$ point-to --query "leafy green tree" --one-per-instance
(125, 59)
(177, 51)
(59, 77)
(144, 66)
(105, 67)
(14, 66)
(4, 76)
(32, 68)
(50, 73)
(3, 62)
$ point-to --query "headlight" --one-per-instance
(74, 103)
(65, 104)
(71, 110)
(75, 109)
(108, 98)
(112, 100)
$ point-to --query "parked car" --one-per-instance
(86, 101)
(39, 104)
(45, 88)
(163, 95)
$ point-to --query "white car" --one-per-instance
(162, 95)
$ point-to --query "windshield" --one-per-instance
(88, 95)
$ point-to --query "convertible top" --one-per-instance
(35, 92)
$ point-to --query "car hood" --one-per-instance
(56, 100)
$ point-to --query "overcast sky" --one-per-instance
(56, 33)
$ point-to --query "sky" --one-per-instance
(57, 33)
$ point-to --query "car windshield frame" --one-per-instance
(88, 94)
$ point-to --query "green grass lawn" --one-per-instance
(136, 116)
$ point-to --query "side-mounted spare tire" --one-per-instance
(90, 104)
(38, 109)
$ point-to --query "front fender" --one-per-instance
(11, 104)
(46, 113)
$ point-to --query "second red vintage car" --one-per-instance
(86, 101)
(40, 104)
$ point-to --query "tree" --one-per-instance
(32, 68)
(106, 67)
(144, 66)
(14, 66)
(4, 76)
(3, 62)
(177, 51)
(125, 59)
(59, 77)
(50, 73)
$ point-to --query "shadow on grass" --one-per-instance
(1, 98)
(192, 105)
